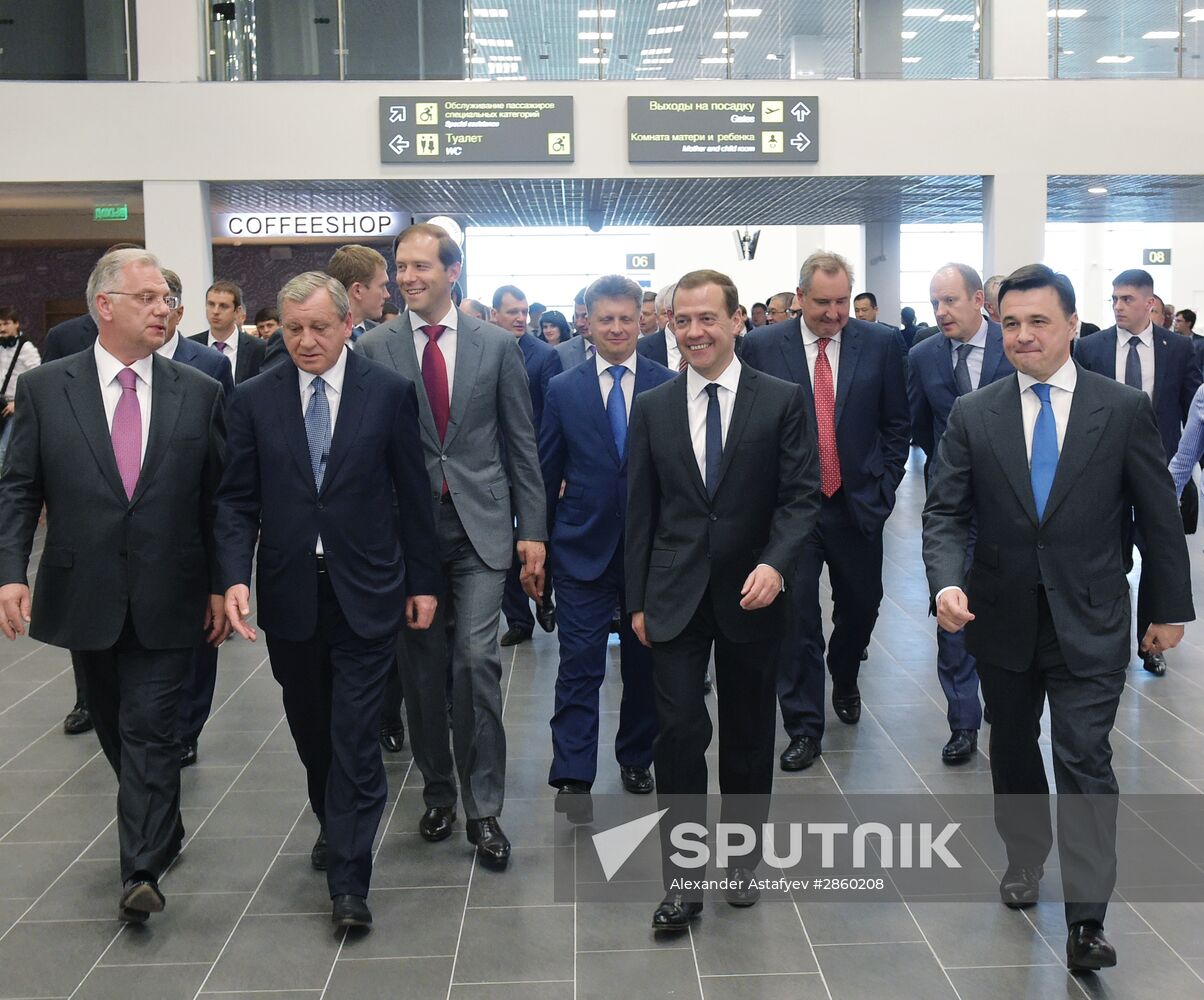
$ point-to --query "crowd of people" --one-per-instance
(667, 466)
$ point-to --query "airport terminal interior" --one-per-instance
(558, 141)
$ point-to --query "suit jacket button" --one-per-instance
(442, 458)
(714, 517)
(321, 506)
(1041, 545)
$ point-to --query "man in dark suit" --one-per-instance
(1048, 463)
(722, 491)
(1148, 357)
(125, 450)
(1185, 322)
(661, 346)
(852, 378)
(245, 353)
(583, 444)
(542, 362)
(483, 464)
(326, 471)
(939, 370)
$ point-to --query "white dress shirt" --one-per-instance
(446, 343)
(975, 357)
(230, 350)
(333, 377)
(811, 346)
(1145, 351)
(168, 350)
(606, 380)
(107, 368)
(27, 360)
(697, 401)
(672, 351)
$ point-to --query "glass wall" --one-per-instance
(1124, 38)
(907, 40)
(67, 40)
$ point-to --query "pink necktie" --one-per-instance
(825, 423)
(127, 431)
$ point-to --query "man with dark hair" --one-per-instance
(533, 314)
(777, 309)
(579, 347)
(1185, 322)
(722, 478)
(388, 311)
(1148, 357)
(267, 322)
(245, 353)
(365, 275)
(865, 307)
(580, 314)
(757, 315)
(1050, 464)
(939, 371)
(648, 318)
(542, 363)
(17, 356)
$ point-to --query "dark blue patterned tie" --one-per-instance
(317, 430)
(616, 408)
(1133, 364)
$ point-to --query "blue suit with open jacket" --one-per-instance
(586, 531)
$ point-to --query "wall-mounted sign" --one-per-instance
(641, 262)
(1155, 258)
(110, 213)
(530, 129)
(277, 225)
(722, 129)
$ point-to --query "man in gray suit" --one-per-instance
(474, 395)
(575, 351)
(125, 450)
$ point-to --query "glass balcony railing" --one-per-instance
(67, 40)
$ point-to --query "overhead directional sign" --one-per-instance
(532, 129)
(722, 129)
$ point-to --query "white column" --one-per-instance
(1017, 36)
(882, 268)
(1013, 217)
(171, 41)
(178, 232)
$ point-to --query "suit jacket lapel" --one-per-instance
(351, 413)
(167, 396)
(1161, 364)
(292, 422)
(83, 395)
(685, 444)
(1007, 441)
(400, 346)
(746, 392)
(795, 356)
(944, 365)
(468, 364)
(1084, 431)
(595, 410)
(1111, 337)
(850, 350)
(992, 355)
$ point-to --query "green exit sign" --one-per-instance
(110, 213)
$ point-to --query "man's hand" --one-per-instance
(531, 576)
(15, 609)
(217, 625)
(1158, 638)
(238, 606)
(420, 611)
(761, 588)
(952, 610)
(8, 409)
(637, 626)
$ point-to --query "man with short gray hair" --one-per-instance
(661, 347)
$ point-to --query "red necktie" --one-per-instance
(434, 380)
(825, 422)
(683, 364)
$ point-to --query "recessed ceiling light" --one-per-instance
(1115, 60)
(909, 35)
(912, 59)
(1068, 12)
(1097, 190)
(593, 36)
(715, 60)
(506, 67)
(924, 12)
(1066, 52)
(503, 57)
(666, 30)
(744, 12)
(593, 61)
(658, 61)
(676, 4)
(595, 13)
(656, 52)
(1197, 14)
(730, 34)
(496, 43)
(490, 12)
(1160, 35)
(956, 17)
(773, 57)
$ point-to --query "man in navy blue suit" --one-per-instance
(1163, 365)
(940, 369)
(661, 345)
(542, 363)
(586, 530)
(326, 468)
(852, 378)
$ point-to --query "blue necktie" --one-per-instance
(714, 453)
(1044, 462)
(1133, 364)
(317, 430)
(616, 409)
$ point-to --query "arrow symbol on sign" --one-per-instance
(399, 144)
(800, 111)
(397, 113)
(800, 142)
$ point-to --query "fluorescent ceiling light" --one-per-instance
(1066, 52)
(773, 57)
(592, 61)
(490, 12)
(509, 67)
(1196, 14)
(667, 29)
(909, 35)
(1097, 190)
(1117, 60)
(924, 12)
(595, 13)
(744, 12)
(503, 57)
(496, 43)
(912, 59)
(656, 52)
(593, 36)
(656, 62)
(676, 4)
(715, 60)
(1160, 35)
(1068, 12)
(957, 17)
(730, 34)
(477, 60)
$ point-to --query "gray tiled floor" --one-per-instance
(247, 917)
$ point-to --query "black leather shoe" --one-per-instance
(350, 911)
(317, 855)
(140, 895)
(1155, 663)
(572, 786)
(493, 847)
(637, 780)
(393, 736)
(801, 753)
(740, 890)
(708, 685)
(675, 913)
(1087, 949)
(545, 612)
(515, 635)
(437, 822)
(79, 720)
(848, 706)
(1021, 887)
(187, 754)
(128, 916)
(573, 801)
(962, 745)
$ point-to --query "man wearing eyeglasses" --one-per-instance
(777, 309)
(125, 450)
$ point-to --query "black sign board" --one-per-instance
(532, 129)
(722, 129)
(641, 262)
(1155, 258)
